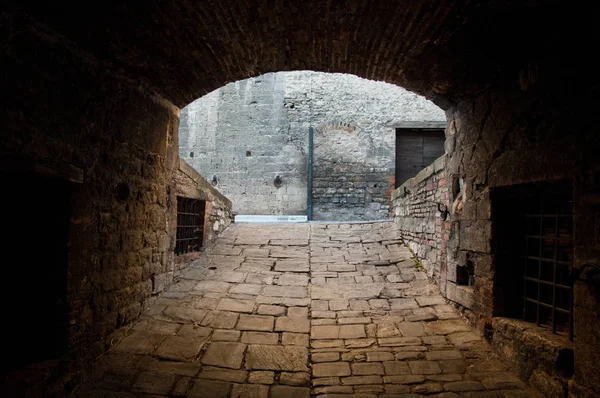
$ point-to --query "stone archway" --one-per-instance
(92, 94)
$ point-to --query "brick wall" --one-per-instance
(115, 144)
(415, 209)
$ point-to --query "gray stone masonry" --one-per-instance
(368, 323)
(248, 132)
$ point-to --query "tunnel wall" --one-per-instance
(72, 118)
(248, 132)
(499, 139)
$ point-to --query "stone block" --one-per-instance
(324, 332)
(378, 356)
(212, 373)
(292, 324)
(424, 367)
(357, 380)
(289, 392)
(275, 310)
(154, 383)
(461, 386)
(352, 332)
(249, 391)
(298, 312)
(227, 304)
(209, 389)
(225, 355)
(180, 348)
(261, 377)
(226, 335)
(255, 322)
(295, 379)
(331, 369)
(220, 319)
(285, 291)
(294, 339)
(359, 369)
(403, 304)
(293, 280)
(411, 329)
(139, 343)
(396, 368)
(184, 314)
(324, 357)
(272, 357)
(260, 338)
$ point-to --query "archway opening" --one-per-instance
(253, 136)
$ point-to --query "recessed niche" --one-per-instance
(122, 191)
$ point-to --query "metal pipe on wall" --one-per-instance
(309, 185)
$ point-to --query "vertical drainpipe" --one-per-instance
(309, 204)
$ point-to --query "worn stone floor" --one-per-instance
(290, 310)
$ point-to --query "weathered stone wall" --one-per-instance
(253, 130)
(499, 139)
(218, 212)
(416, 213)
(116, 145)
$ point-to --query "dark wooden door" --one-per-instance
(415, 150)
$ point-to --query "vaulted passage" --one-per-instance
(91, 103)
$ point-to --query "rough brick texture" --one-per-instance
(416, 212)
(481, 158)
(116, 146)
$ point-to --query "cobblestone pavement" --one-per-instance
(286, 311)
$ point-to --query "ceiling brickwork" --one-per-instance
(442, 49)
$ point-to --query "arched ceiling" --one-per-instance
(442, 49)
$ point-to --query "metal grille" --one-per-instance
(190, 225)
(547, 258)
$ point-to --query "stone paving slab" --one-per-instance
(323, 309)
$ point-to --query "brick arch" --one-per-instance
(337, 125)
(183, 49)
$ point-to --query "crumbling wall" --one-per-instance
(251, 131)
(496, 140)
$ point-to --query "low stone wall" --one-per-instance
(538, 356)
(415, 210)
(218, 214)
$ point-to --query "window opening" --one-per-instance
(533, 243)
(190, 225)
